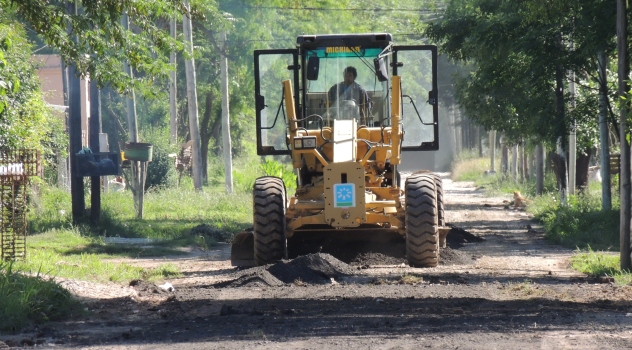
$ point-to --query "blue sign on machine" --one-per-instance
(344, 195)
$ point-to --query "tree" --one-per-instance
(25, 119)
(522, 53)
(103, 44)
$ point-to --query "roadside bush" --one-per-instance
(161, 170)
(26, 300)
(579, 224)
(51, 208)
(274, 168)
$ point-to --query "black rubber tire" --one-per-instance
(440, 207)
(422, 233)
(269, 220)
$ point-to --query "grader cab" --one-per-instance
(346, 150)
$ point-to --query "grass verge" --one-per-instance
(601, 264)
(25, 300)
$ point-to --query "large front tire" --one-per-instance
(422, 233)
(269, 220)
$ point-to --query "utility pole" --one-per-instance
(226, 143)
(173, 132)
(194, 124)
(624, 88)
(604, 145)
(137, 185)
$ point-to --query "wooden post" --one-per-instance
(95, 130)
(74, 131)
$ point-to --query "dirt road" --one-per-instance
(512, 289)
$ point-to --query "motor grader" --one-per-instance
(345, 153)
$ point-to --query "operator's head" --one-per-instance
(350, 73)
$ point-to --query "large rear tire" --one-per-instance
(422, 233)
(440, 207)
(269, 220)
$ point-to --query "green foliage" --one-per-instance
(50, 208)
(98, 43)
(26, 300)
(25, 120)
(250, 170)
(579, 224)
(285, 172)
(520, 53)
(161, 170)
(601, 264)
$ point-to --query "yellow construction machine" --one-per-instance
(345, 148)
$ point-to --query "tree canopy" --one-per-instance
(520, 52)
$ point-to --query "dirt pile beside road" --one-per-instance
(317, 268)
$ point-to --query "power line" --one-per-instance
(278, 8)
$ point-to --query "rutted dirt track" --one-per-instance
(512, 289)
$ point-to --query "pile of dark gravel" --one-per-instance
(317, 268)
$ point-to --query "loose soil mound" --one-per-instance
(312, 268)
(458, 237)
(449, 256)
(375, 259)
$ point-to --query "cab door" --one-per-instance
(417, 65)
(271, 68)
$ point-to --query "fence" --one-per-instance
(16, 168)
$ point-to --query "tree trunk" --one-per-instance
(624, 88)
(604, 145)
(206, 133)
(226, 142)
(582, 164)
(492, 150)
(559, 168)
(194, 123)
(173, 103)
(539, 169)
(137, 184)
(504, 159)
(562, 176)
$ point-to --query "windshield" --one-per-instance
(346, 87)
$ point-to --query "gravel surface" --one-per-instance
(499, 285)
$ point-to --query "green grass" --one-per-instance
(25, 300)
(579, 224)
(66, 253)
(58, 248)
(600, 264)
(472, 168)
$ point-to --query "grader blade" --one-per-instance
(242, 252)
